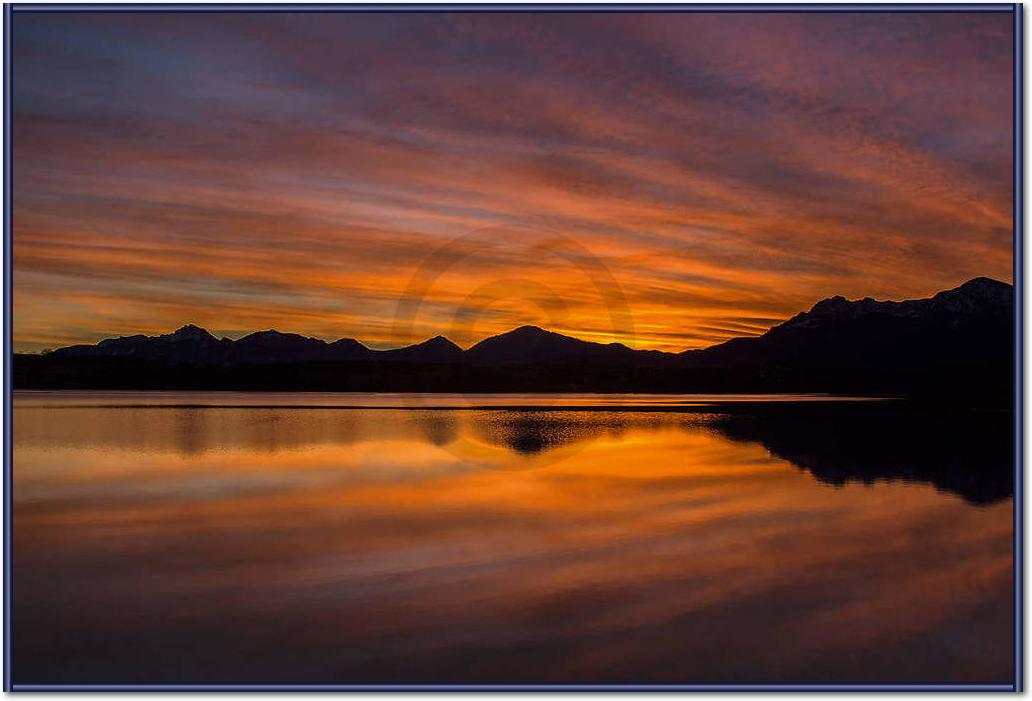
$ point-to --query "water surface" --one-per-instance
(177, 537)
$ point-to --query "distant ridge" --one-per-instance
(838, 328)
(960, 338)
(529, 344)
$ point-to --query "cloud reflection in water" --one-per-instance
(321, 545)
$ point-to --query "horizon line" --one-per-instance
(189, 325)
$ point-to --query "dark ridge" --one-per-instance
(958, 342)
(346, 349)
(435, 350)
(961, 336)
(531, 344)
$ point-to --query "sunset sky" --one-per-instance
(720, 172)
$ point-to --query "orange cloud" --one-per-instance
(228, 177)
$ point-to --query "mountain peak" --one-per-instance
(978, 295)
(437, 343)
(273, 346)
(983, 287)
(977, 291)
(279, 337)
(830, 305)
(191, 332)
(436, 349)
(527, 330)
(982, 281)
(348, 342)
(440, 342)
(533, 344)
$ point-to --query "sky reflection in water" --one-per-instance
(377, 545)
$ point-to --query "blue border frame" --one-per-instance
(1016, 9)
(1019, 338)
(8, 456)
(516, 687)
(520, 7)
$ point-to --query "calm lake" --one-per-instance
(220, 537)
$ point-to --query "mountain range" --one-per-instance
(962, 338)
(194, 345)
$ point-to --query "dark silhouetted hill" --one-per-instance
(958, 342)
(962, 337)
(190, 344)
(263, 347)
(530, 344)
(436, 350)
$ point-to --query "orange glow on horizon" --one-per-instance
(220, 176)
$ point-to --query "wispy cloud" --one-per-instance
(247, 171)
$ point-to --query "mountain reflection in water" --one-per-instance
(382, 545)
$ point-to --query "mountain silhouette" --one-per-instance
(275, 347)
(531, 344)
(189, 344)
(958, 341)
(839, 331)
(435, 350)
(194, 345)
(346, 349)
(963, 334)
